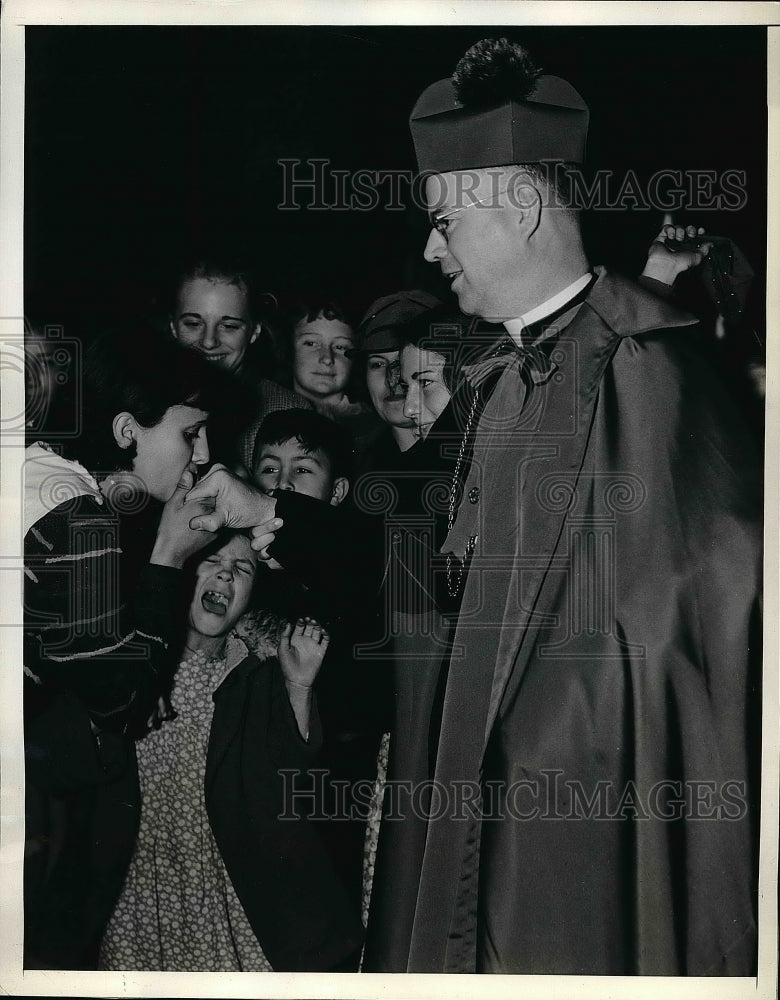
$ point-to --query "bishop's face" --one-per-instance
(477, 241)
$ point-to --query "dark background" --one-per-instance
(146, 143)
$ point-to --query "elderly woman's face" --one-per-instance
(213, 317)
(427, 395)
(223, 586)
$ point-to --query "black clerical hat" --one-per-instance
(497, 109)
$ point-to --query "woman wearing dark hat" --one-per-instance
(423, 460)
(377, 361)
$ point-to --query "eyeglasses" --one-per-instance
(441, 222)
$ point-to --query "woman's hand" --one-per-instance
(176, 540)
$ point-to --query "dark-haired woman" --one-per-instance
(107, 535)
(434, 348)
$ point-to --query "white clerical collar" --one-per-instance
(515, 327)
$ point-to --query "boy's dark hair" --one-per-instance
(141, 373)
(315, 433)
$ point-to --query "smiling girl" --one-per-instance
(216, 312)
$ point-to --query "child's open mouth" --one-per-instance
(215, 602)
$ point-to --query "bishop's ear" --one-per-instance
(525, 195)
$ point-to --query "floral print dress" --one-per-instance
(178, 910)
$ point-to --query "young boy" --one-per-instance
(301, 450)
(331, 557)
(327, 548)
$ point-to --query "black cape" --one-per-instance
(602, 698)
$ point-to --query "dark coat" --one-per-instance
(333, 560)
(295, 903)
(82, 808)
(602, 650)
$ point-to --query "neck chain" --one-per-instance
(526, 351)
(454, 581)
